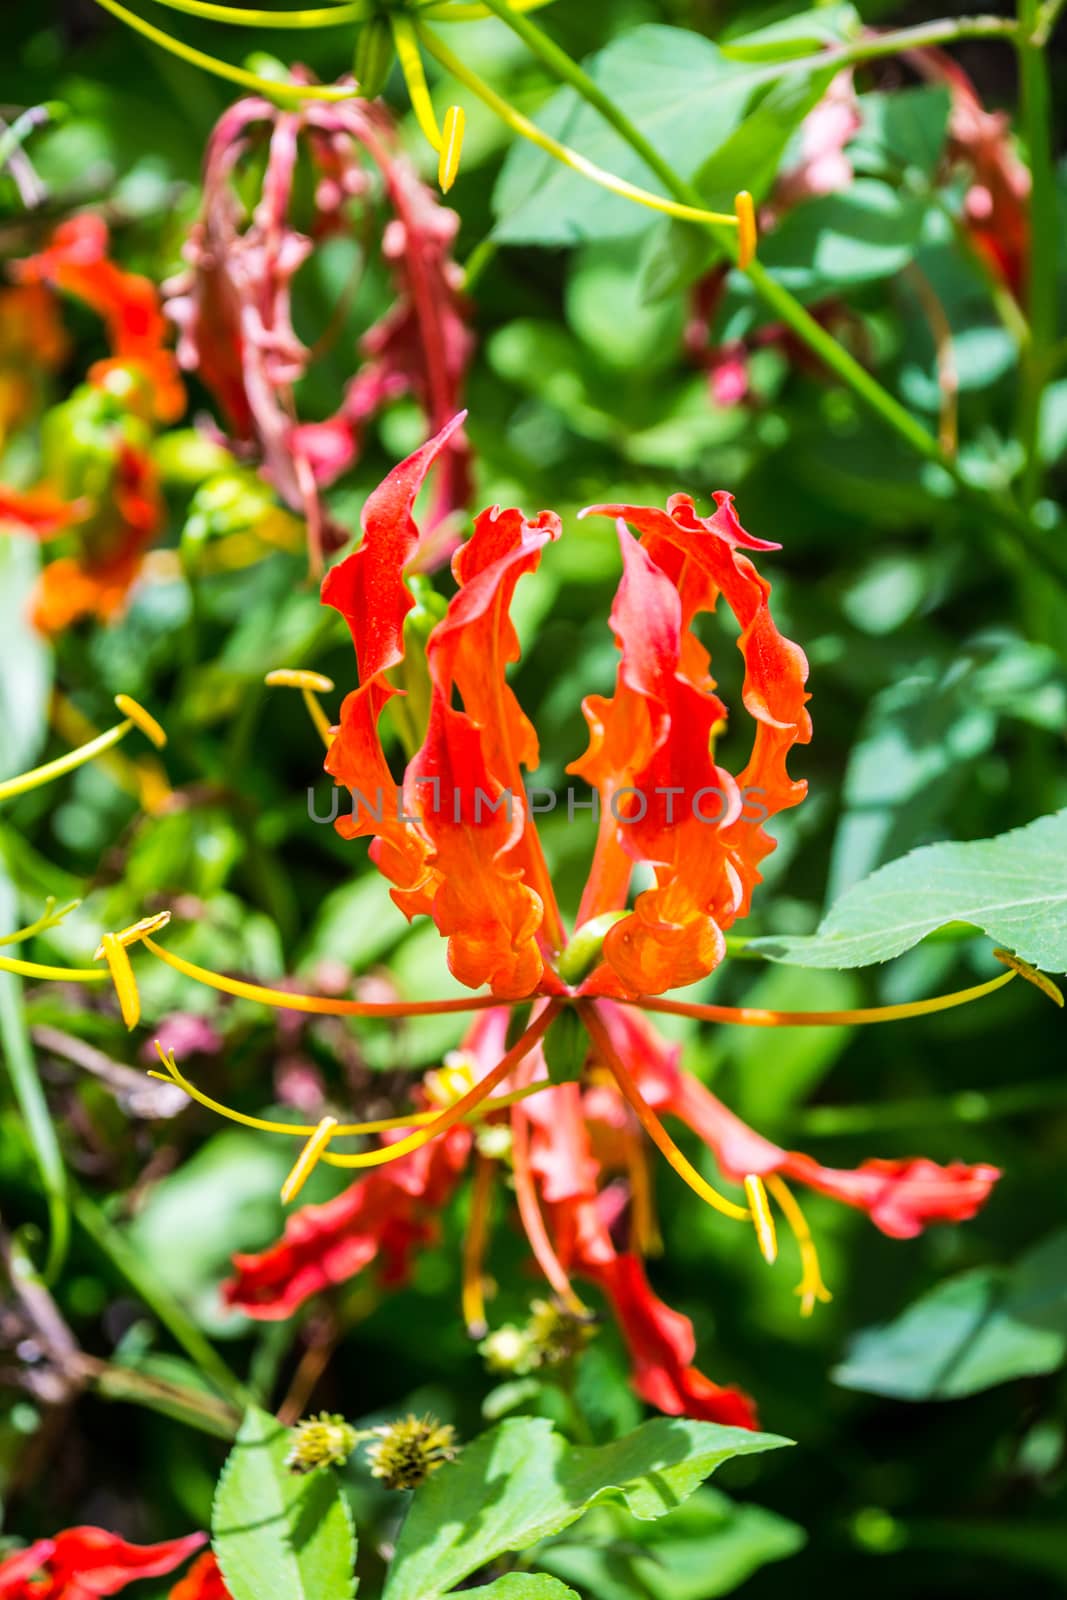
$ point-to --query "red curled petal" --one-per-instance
(90, 1561)
(695, 824)
(901, 1197)
(385, 1215)
(203, 1581)
(369, 591)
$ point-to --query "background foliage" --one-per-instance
(940, 704)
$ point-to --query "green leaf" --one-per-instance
(684, 96)
(869, 231)
(708, 1548)
(1013, 887)
(280, 1535)
(799, 35)
(522, 1482)
(969, 1333)
(748, 159)
(523, 1586)
(19, 1062)
(905, 129)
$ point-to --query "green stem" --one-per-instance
(1041, 287)
(140, 1276)
(19, 1058)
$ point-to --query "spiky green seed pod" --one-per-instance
(322, 1441)
(405, 1452)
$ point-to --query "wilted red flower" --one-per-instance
(461, 847)
(83, 1563)
(996, 208)
(232, 306)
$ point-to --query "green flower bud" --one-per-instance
(374, 57)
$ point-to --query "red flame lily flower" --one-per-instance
(460, 846)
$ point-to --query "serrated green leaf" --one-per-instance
(971, 1332)
(1013, 887)
(280, 1535)
(522, 1482)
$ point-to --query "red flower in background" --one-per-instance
(203, 1581)
(100, 490)
(462, 848)
(76, 262)
(232, 305)
(82, 1563)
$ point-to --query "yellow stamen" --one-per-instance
(762, 1218)
(114, 952)
(223, 69)
(757, 1017)
(811, 1287)
(309, 684)
(407, 53)
(36, 969)
(746, 228)
(137, 714)
(644, 1232)
(308, 1159)
(562, 152)
(451, 147)
(473, 1292)
(144, 777)
(1031, 974)
(462, 1108)
(320, 1005)
(173, 1074)
(48, 919)
(651, 1123)
(242, 17)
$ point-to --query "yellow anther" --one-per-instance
(299, 678)
(309, 683)
(308, 1159)
(135, 932)
(451, 147)
(1031, 974)
(746, 228)
(138, 715)
(762, 1219)
(811, 1287)
(452, 1081)
(114, 953)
